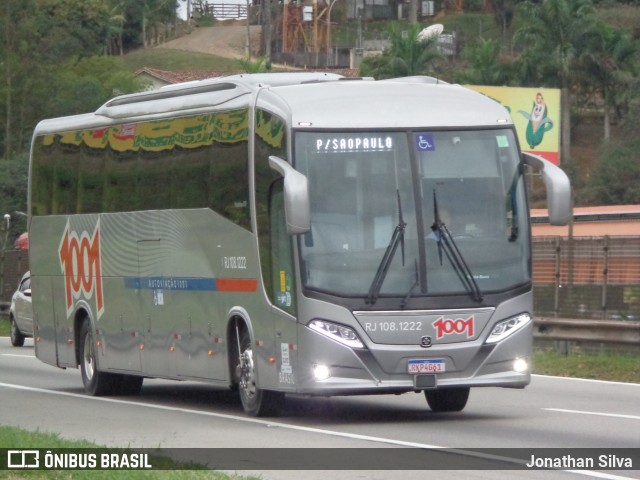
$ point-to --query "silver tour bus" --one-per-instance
(290, 233)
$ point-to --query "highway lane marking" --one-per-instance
(16, 355)
(352, 436)
(601, 414)
(591, 380)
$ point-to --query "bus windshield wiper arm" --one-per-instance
(404, 301)
(447, 244)
(396, 239)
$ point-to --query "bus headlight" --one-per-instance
(507, 327)
(345, 335)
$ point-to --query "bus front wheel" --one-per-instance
(447, 399)
(255, 401)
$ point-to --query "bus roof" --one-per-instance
(400, 103)
(311, 100)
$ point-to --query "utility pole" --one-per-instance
(413, 11)
(248, 34)
(266, 32)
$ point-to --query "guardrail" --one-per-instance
(609, 331)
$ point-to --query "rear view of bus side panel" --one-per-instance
(54, 334)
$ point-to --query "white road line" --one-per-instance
(15, 355)
(601, 414)
(591, 380)
(353, 436)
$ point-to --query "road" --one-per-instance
(551, 412)
(222, 40)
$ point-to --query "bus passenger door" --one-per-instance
(282, 289)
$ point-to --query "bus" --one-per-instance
(288, 233)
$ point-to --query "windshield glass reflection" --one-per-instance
(358, 181)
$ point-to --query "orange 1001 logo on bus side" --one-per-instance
(81, 267)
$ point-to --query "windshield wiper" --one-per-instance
(396, 239)
(447, 244)
(404, 301)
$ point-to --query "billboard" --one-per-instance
(536, 115)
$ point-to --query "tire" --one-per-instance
(447, 399)
(255, 401)
(17, 338)
(95, 383)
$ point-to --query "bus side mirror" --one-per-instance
(296, 197)
(558, 188)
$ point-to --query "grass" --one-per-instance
(16, 438)
(598, 366)
(178, 60)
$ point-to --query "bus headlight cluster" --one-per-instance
(506, 327)
(345, 335)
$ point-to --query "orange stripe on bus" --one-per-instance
(236, 284)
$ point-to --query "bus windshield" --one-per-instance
(382, 202)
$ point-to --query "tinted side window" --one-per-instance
(188, 162)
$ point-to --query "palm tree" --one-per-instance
(408, 54)
(553, 37)
(115, 28)
(411, 54)
(608, 64)
(259, 65)
(485, 67)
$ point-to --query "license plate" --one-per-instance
(425, 366)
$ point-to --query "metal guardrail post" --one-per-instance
(605, 276)
(556, 289)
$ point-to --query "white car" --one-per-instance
(21, 313)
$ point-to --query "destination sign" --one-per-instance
(354, 144)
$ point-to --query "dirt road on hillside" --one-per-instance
(222, 40)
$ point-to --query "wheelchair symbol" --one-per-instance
(424, 142)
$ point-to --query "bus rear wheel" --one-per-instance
(447, 399)
(95, 383)
(255, 401)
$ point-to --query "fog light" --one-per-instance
(321, 372)
(520, 365)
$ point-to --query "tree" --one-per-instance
(503, 11)
(609, 64)
(553, 37)
(115, 27)
(83, 84)
(13, 192)
(408, 54)
(485, 66)
(616, 179)
(45, 44)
